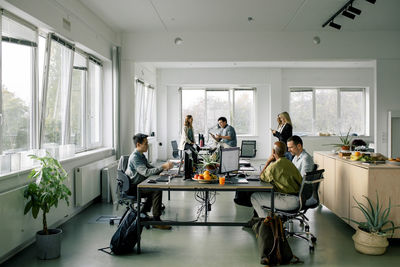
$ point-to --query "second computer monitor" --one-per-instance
(229, 160)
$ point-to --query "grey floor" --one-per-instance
(201, 246)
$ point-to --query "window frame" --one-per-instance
(231, 101)
(338, 89)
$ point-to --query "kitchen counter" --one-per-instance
(345, 179)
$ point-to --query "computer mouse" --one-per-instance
(241, 175)
(151, 181)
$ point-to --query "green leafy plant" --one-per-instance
(209, 161)
(376, 217)
(345, 140)
(47, 188)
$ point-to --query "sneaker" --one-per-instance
(163, 227)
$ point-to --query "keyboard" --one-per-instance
(163, 179)
(255, 178)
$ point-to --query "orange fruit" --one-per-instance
(357, 153)
(206, 173)
(201, 176)
(207, 177)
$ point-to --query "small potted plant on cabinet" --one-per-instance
(371, 235)
(45, 191)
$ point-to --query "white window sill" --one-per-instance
(76, 157)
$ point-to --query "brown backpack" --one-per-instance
(272, 243)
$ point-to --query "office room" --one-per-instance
(81, 77)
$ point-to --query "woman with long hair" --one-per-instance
(187, 137)
(286, 129)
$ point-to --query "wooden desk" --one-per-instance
(178, 184)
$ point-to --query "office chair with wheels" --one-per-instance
(175, 150)
(307, 199)
(248, 149)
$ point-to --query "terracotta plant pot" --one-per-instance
(345, 147)
(370, 244)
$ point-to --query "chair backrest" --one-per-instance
(248, 149)
(308, 194)
(175, 150)
(123, 163)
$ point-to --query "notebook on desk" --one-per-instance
(253, 178)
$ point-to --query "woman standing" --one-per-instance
(285, 130)
(187, 137)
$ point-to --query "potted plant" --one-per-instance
(371, 235)
(45, 191)
(345, 141)
(209, 162)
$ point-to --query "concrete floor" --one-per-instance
(201, 246)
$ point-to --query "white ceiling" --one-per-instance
(176, 16)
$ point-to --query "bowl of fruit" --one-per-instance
(393, 161)
(206, 178)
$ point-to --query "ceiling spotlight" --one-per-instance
(250, 19)
(372, 1)
(178, 41)
(354, 10)
(348, 14)
(334, 25)
(316, 40)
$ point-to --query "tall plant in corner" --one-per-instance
(46, 189)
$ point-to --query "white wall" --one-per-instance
(285, 46)
(272, 97)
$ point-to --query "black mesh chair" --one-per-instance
(248, 149)
(175, 150)
(126, 194)
(308, 199)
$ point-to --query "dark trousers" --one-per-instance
(153, 200)
(194, 152)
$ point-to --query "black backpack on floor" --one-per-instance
(125, 238)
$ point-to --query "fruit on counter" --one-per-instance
(201, 176)
(357, 153)
(355, 157)
(196, 177)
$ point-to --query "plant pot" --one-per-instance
(370, 244)
(48, 246)
(345, 148)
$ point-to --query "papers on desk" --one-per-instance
(249, 169)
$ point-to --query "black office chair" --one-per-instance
(248, 149)
(175, 150)
(308, 199)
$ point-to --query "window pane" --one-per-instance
(352, 112)
(301, 112)
(95, 72)
(193, 103)
(42, 51)
(76, 108)
(217, 106)
(56, 98)
(244, 115)
(326, 110)
(16, 96)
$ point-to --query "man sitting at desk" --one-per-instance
(227, 138)
(302, 160)
(284, 176)
(139, 169)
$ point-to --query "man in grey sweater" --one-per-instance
(139, 170)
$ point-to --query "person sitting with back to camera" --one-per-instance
(285, 178)
(302, 160)
(139, 170)
(227, 138)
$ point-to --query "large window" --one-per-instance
(206, 105)
(17, 65)
(50, 98)
(328, 110)
(144, 101)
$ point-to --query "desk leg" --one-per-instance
(138, 222)
(206, 203)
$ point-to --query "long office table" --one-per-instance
(179, 184)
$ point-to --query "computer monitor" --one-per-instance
(229, 160)
(188, 164)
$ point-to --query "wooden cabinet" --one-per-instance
(319, 160)
(344, 179)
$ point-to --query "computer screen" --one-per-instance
(188, 164)
(229, 159)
